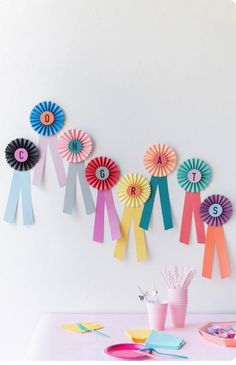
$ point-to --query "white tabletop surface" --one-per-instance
(51, 342)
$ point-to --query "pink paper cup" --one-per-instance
(179, 295)
(178, 300)
(157, 315)
(178, 314)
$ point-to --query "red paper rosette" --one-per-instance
(102, 173)
(75, 145)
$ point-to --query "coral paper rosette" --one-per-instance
(216, 210)
(102, 173)
(193, 175)
(159, 161)
(22, 155)
(47, 119)
(133, 191)
(75, 145)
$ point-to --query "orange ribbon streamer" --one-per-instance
(215, 237)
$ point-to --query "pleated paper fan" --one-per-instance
(133, 190)
(21, 154)
(47, 118)
(75, 145)
(194, 175)
(216, 210)
(102, 173)
(159, 160)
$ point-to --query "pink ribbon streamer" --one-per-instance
(105, 197)
(192, 204)
(44, 142)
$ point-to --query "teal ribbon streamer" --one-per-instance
(20, 184)
(155, 182)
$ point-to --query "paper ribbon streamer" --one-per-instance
(75, 170)
(215, 211)
(104, 197)
(215, 238)
(165, 203)
(193, 175)
(140, 242)
(133, 190)
(160, 161)
(191, 209)
(52, 142)
(20, 184)
(103, 173)
(47, 119)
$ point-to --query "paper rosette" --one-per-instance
(133, 190)
(47, 119)
(159, 161)
(102, 173)
(193, 175)
(21, 154)
(75, 145)
(216, 210)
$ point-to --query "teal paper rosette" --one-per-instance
(194, 175)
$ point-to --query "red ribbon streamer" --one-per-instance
(192, 204)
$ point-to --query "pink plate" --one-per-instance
(125, 351)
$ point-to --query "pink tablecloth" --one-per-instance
(51, 342)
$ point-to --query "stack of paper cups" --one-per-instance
(157, 315)
(178, 300)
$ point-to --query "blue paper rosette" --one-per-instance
(47, 118)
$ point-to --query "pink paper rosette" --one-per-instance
(75, 145)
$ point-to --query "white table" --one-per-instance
(51, 342)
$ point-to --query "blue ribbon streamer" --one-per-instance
(20, 184)
(165, 203)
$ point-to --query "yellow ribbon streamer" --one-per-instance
(128, 215)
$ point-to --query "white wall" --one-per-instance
(130, 73)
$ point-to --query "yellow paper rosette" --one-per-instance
(133, 190)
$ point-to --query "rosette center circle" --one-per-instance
(102, 173)
(47, 118)
(75, 146)
(215, 210)
(160, 159)
(194, 176)
(133, 190)
(21, 155)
